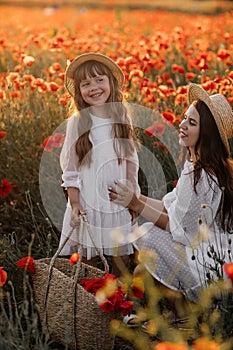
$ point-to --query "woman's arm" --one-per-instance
(151, 209)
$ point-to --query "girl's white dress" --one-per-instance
(185, 258)
(110, 223)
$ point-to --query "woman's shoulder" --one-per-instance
(188, 168)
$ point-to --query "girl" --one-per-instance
(99, 148)
(189, 229)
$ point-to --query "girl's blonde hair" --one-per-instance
(122, 129)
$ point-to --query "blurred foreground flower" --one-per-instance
(3, 276)
(171, 346)
(204, 344)
(27, 264)
(137, 288)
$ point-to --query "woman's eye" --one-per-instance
(192, 122)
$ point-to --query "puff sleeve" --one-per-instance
(68, 156)
(186, 208)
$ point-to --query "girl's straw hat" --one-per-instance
(220, 109)
(69, 75)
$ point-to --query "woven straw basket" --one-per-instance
(69, 312)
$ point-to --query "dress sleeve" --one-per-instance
(185, 211)
(169, 198)
(68, 156)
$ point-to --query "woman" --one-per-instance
(187, 239)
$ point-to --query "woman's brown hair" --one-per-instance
(212, 156)
(122, 129)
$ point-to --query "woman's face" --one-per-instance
(95, 91)
(189, 129)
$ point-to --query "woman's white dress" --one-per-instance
(110, 223)
(184, 258)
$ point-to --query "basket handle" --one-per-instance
(79, 229)
(103, 259)
(83, 221)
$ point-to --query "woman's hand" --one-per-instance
(123, 195)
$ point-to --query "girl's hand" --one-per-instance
(74, 219)
(123, 195)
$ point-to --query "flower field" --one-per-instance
(160, 53)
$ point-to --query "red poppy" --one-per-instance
(178, 69)
(228, 269)
(27, 264)
(29, 60)
(190, 75)
(223, 54)
(169, 117)
(126, 307)
(2, 94)
(51, 142)
(58, 140)
(93, 284)
(160, 145)
(156, 129)
(116, 300)
(3, 276)
(2, 134)
(53, 86)
(107, 306)
(5, 188)
(74, 258)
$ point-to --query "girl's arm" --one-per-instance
(69, 165)
(74, 197)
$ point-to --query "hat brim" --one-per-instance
(197, 93)
(76, 63)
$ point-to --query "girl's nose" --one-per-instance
(93, 86)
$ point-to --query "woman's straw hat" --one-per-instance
(91, 56)
(220, 109)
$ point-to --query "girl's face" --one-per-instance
(95, 90)
(189, 129)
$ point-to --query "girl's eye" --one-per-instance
(83, 84)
